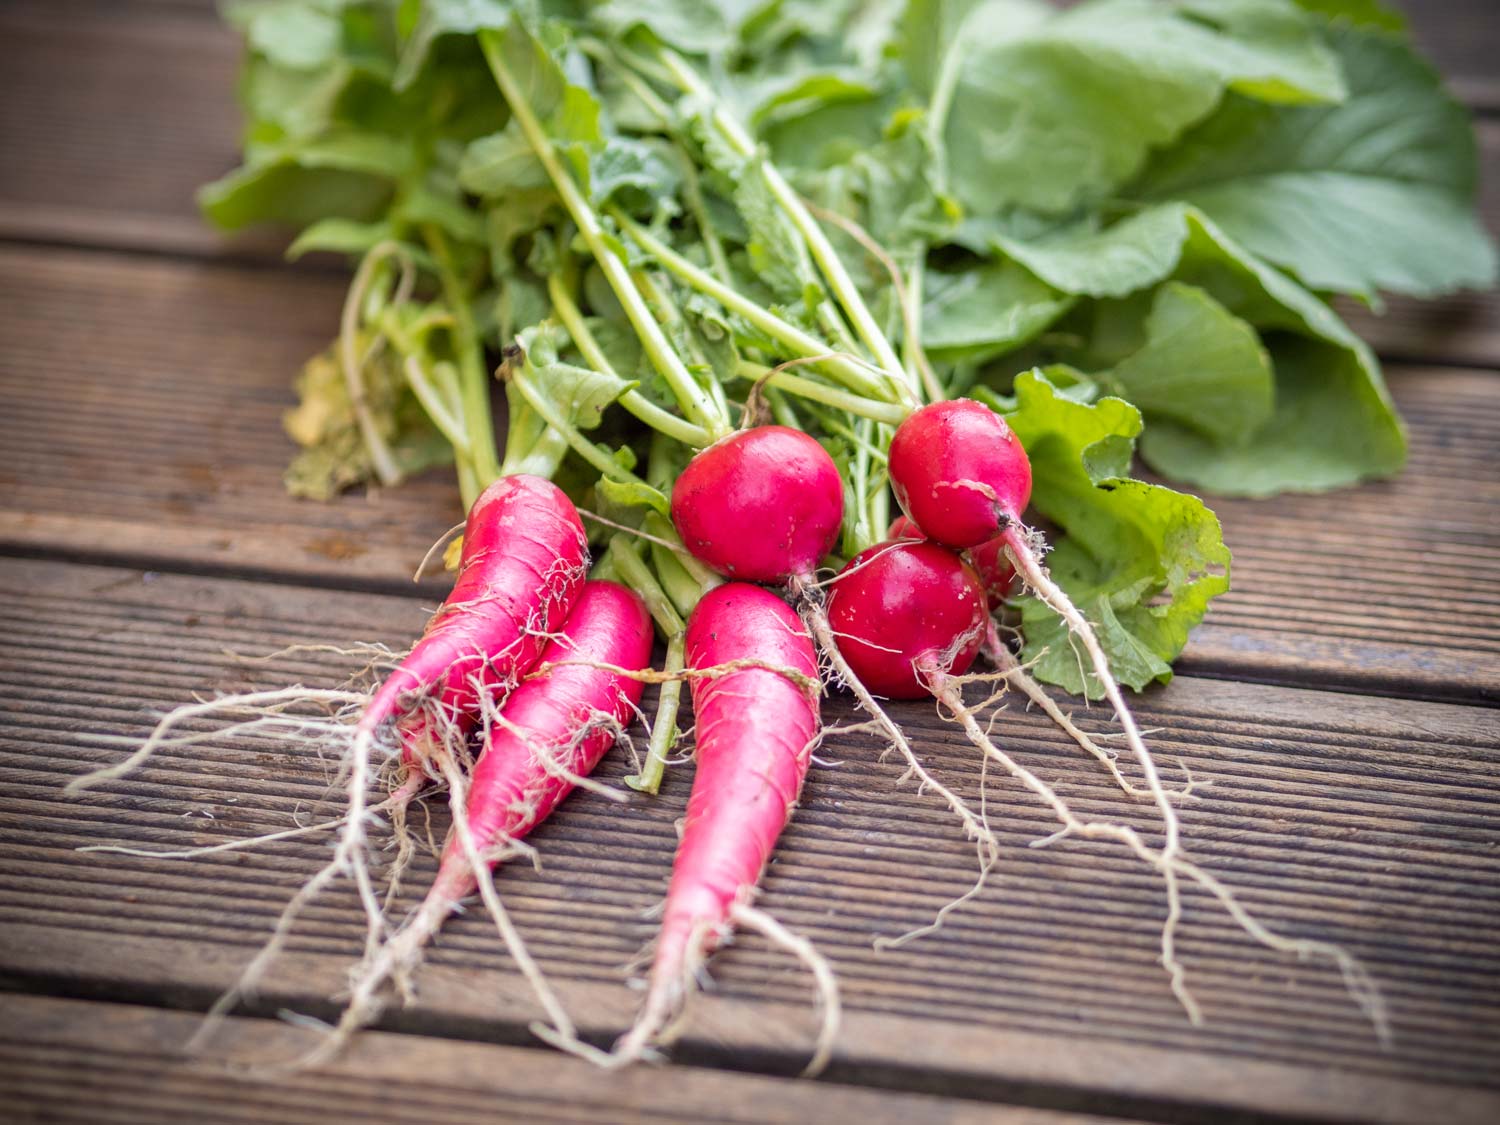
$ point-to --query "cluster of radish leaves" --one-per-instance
(1118, 225)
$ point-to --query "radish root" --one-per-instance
(810, 602)
(1012, 671)
(1172, 866)
(743, 914)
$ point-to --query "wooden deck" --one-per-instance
(1342, 700)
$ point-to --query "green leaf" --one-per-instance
(1375, 193)
(1140, 561)
(695, 26)
(1340, 388)
(283, 103)
(1333, 426)
(1134, 253)
(291, 33)
(339, 236)
(1049, 113)
(1357, 13)
(633, 169)
(633, 494)
(437, 18)
(980, 313)
(303, 184)
(502, 163)
(1201, 368)
(580, 395)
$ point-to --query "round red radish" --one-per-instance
(959, 472)
(902, 606)
(994, 568)
(989, 560)
(904, 527)
(762, 505)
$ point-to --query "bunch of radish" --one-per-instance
(772, 573)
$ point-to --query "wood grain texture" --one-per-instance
(75, 1061)
(113, 116)
(146, 397)
(1343, 817)
(143, 425)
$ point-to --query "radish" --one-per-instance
(755, 697)
(988, 560)
(524, 559)
(762, 505)
(766, 504)
(551, 733)
(904, 608)
(959, 472)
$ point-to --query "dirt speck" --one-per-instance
(338, 547)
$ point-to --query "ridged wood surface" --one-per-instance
(71, 1061)
(1338, 816)
(1339, 700)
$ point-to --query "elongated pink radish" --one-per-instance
(552, 731)
(756, 727)
(988, 559)
(762, 505)
(903, 609)
(524, 559)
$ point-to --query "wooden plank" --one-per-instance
(72, 1060)
(1364, 821)
(114, 115)
(143, 417)
(89, 175)
(1462, 38)
(143, 424)
(1393, 586)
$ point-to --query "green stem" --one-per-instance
(440, 412)
(541, 459)
(852, 374)
(633, 572)
(474, 385)
(822, 250)
(585, 448)
(698, 575)
(670, 316)
(382, 460)
(692, 189)
(890, 413)
(697, 405)
(663, 421)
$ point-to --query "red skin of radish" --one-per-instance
(989, 560)
(525, 557)
(511, 790)
(755, 733)
(959, 472)
(762, 505)
(905, 605)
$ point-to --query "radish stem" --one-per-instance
(690, 396)
(852, 374)
(662, 421)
